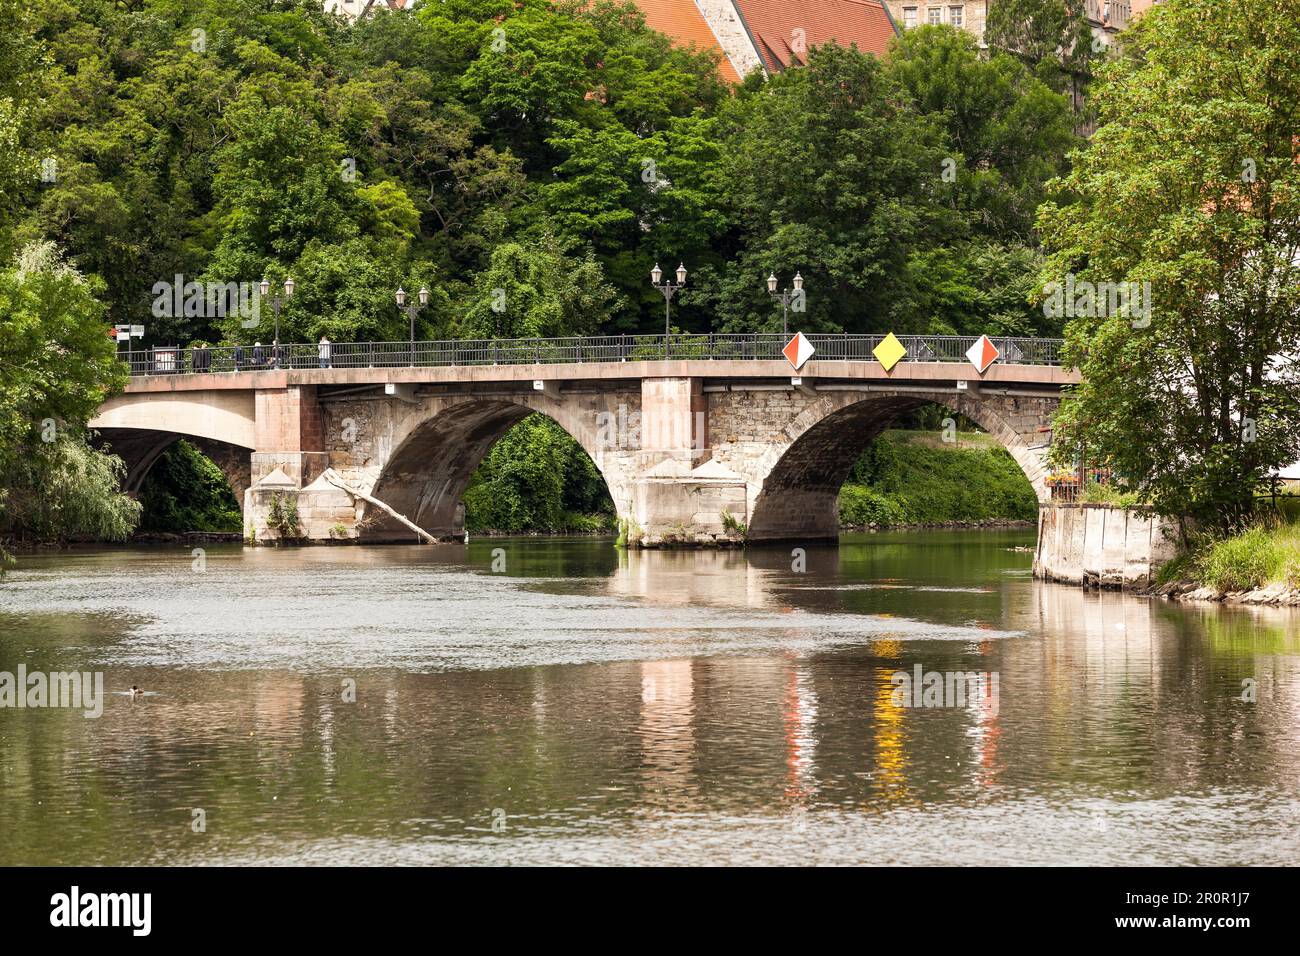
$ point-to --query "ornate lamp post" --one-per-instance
(786, 296)
(668, 289)
(265, 289)
(412, 311)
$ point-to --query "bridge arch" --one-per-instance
(798, 480)
(436, 447)
(140, 450)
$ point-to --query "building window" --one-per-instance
(955, 16)
(935, 15)
(909, 17)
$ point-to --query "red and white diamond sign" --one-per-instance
(798, 351)
(983, 354)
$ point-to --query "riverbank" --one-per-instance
(1258, 566)
(187, 537)
(1270, 595)
(939, 526)
(917, 479)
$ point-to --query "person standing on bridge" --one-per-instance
(258, 355)
(323, 351)
(238, 357)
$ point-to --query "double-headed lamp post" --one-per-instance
(265, 289)
(668, 289)
(412, 311)
(786, 296)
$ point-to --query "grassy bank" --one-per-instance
(1258, 558)
(915, 478)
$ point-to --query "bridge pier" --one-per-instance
(680, 495)
(288, 457)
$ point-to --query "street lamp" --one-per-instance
(786, 296)
(412, 311)
(265, 289)
(668, 289)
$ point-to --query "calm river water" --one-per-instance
(586, 705)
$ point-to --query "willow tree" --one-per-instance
(1191, 184)
(56, 368)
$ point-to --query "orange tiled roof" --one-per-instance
(774, 25)
(682, 20)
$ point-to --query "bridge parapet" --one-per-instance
(577, 350)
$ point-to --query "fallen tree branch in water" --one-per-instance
(333, 478)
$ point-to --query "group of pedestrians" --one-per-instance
(257, 358)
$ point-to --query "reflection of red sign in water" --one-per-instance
(983, 354)
(798, 350)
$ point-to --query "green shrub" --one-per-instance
(283, 516)
(733, 525)
(1095, 493)
(861, 506)
(186, 491)
(537, 478)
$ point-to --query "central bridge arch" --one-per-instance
(421, 456)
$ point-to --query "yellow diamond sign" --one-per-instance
(889, 351)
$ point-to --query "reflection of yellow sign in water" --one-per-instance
(891, 757)
(889, 351)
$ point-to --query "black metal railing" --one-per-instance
(601, 348)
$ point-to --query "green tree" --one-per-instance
(536, 478)
(1052, 36)
(186, 491)
(833, 174)
(1009, 133)
(16, 66)
(56, 367)
(1190, 184)
(545, 291)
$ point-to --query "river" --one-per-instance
(559, 701)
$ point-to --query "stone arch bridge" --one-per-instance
(718, 426)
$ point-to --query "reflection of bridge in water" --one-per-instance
(688, 431)
(683, 704)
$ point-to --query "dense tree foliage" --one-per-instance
(1052, 36)
(537, 478)
(185, 491)
(527, 161)
(56, 367)
(1191, 185)
(553, 151)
